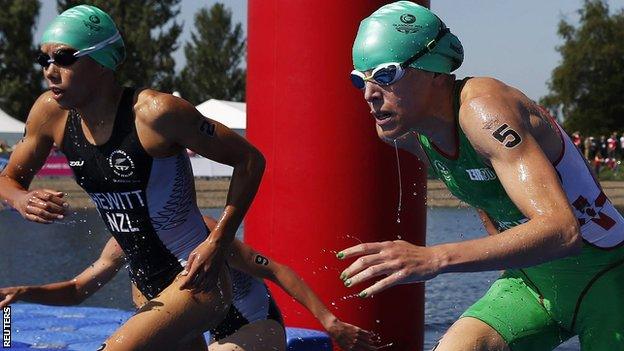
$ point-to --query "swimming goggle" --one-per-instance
(67, 57)
(390, 72)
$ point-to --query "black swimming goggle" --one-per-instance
(390, 72)
(67, 57)
(61, 57)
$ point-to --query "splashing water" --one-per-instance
(396, 151)
(353, 237)
(347, 297)
(384, 346)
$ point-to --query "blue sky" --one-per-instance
(512, 40)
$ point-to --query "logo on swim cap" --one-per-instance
(408, 18)
(95, 19)
(93, 26)
(407, 27)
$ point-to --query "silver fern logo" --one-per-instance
(175, 210)
(121, 163)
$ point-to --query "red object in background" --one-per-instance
(330, 182)
(56, 165)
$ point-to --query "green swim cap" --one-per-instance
(397, 31)
(87, 27)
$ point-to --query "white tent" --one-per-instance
(9, 124)
(231, 114)
(11, 130)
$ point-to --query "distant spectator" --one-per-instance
(622, 146)
(598, 161)
(602, 145)
(576, 139)
(594, 147)
(588, 145)
(612, 144)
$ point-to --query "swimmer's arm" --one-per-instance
(487, 222)
(30, 153)
(532, 184)
(186, 127)
(244, 258)
(75, 291)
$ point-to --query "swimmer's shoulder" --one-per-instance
(46, 117)
(486, 104)
(158, 109)
(487, 90)
(485, 97)
(484, 100)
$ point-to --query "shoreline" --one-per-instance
(212, 192)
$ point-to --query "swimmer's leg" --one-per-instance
(599, 320)
(509, 316)
(173, 317)
(471, 334)
(197, 344)
(263, 335)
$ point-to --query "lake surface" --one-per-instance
(35, 254)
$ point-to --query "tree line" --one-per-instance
(151, 31)
(586, 89)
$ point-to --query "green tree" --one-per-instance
(587, 88)
(20, 80)
(150, 34)
(213, 58)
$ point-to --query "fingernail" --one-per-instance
(362, 294)
(59, 216)
(343, 276)
(340, 255)
(184, 272)
(65, 204)
(347, 282)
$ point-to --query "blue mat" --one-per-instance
(38, 327)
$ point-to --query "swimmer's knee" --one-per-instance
(471, 334)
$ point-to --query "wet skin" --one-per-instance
(421, 102)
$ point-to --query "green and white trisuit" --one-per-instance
(538, 308)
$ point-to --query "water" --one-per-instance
(447, 296)
(36, 254)
(396, 152)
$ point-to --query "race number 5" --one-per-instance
(503, 132)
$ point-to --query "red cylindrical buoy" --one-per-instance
(330, 182)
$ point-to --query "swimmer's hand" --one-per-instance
(202, 270)
(42, 206)
(9, 295)
(349, 337)
(399, 262)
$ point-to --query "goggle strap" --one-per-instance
(98, 46)
(429, 47)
